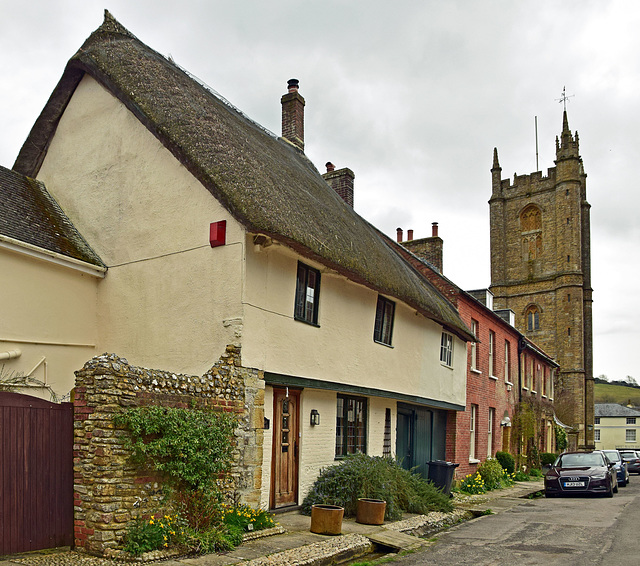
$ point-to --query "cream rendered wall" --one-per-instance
(48, 311)
(169, 300)
(341, 349)
(613, 433)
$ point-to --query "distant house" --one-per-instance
(616, 427)
(506, 372)
(48, 277)
(216, 232)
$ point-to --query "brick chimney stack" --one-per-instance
(293, 115)
(341, 181)
(399, 235)
(429, 249)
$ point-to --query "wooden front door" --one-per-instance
(286, 441)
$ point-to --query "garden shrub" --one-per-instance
(473, 484)
(491, 473)
(360, 475)
(506, 461)
(547, 458)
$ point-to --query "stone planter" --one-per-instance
(370, 511)
(326, 519)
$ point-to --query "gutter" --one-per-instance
(36, 252)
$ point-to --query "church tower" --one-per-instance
(541, 269)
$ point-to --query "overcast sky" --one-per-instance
(412, 96)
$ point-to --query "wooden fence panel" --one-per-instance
(36, 474)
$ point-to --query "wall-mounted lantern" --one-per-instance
(315, 417)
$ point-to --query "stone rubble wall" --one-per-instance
(110, 491)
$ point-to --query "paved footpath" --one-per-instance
(297, 546)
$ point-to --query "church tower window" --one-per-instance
(533, 318)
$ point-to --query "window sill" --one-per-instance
(534, 392)
(474, 370)
(474, 461)
(508, 383)
(446, 366)
(544, 396)
(525, 388)
(383, 344)
(306, 322)
(493, 377)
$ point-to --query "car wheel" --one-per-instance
(610, 492)
(622, 483)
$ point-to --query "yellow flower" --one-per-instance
(151, 521)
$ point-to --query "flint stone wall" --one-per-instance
(109, 491)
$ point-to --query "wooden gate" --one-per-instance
(36, 474)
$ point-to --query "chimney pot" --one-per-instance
(330, 166)
(434, 229)
(293, 85)
(409, 235)
(399, 235)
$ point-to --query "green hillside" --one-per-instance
(610, 393)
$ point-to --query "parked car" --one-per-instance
(620, 466)
(632, 459)
(581, 472)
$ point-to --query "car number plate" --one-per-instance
(574, 484)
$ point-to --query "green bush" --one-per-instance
(547, 458)
(506, 461)
(535, 473)
(491, 473)
(156, 533)
(473, 484)
(521, 476)
(360, 475)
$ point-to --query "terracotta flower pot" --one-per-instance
(326, 519)
(370, 511)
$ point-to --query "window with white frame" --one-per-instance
(596, 435)
(492, 418)
(631, 420)
(472, 432)
(474, 345)
(492, 353)
(630, 435)
(446, 349)
(507, 361)
(596, 420)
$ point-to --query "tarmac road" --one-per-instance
(575, 531)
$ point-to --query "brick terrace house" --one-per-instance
(503, 370)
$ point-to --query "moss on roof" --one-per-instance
(266, 183)
(29, 214)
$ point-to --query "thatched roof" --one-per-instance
(266, 183)
(29, 214)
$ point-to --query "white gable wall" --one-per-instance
(169, 300)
